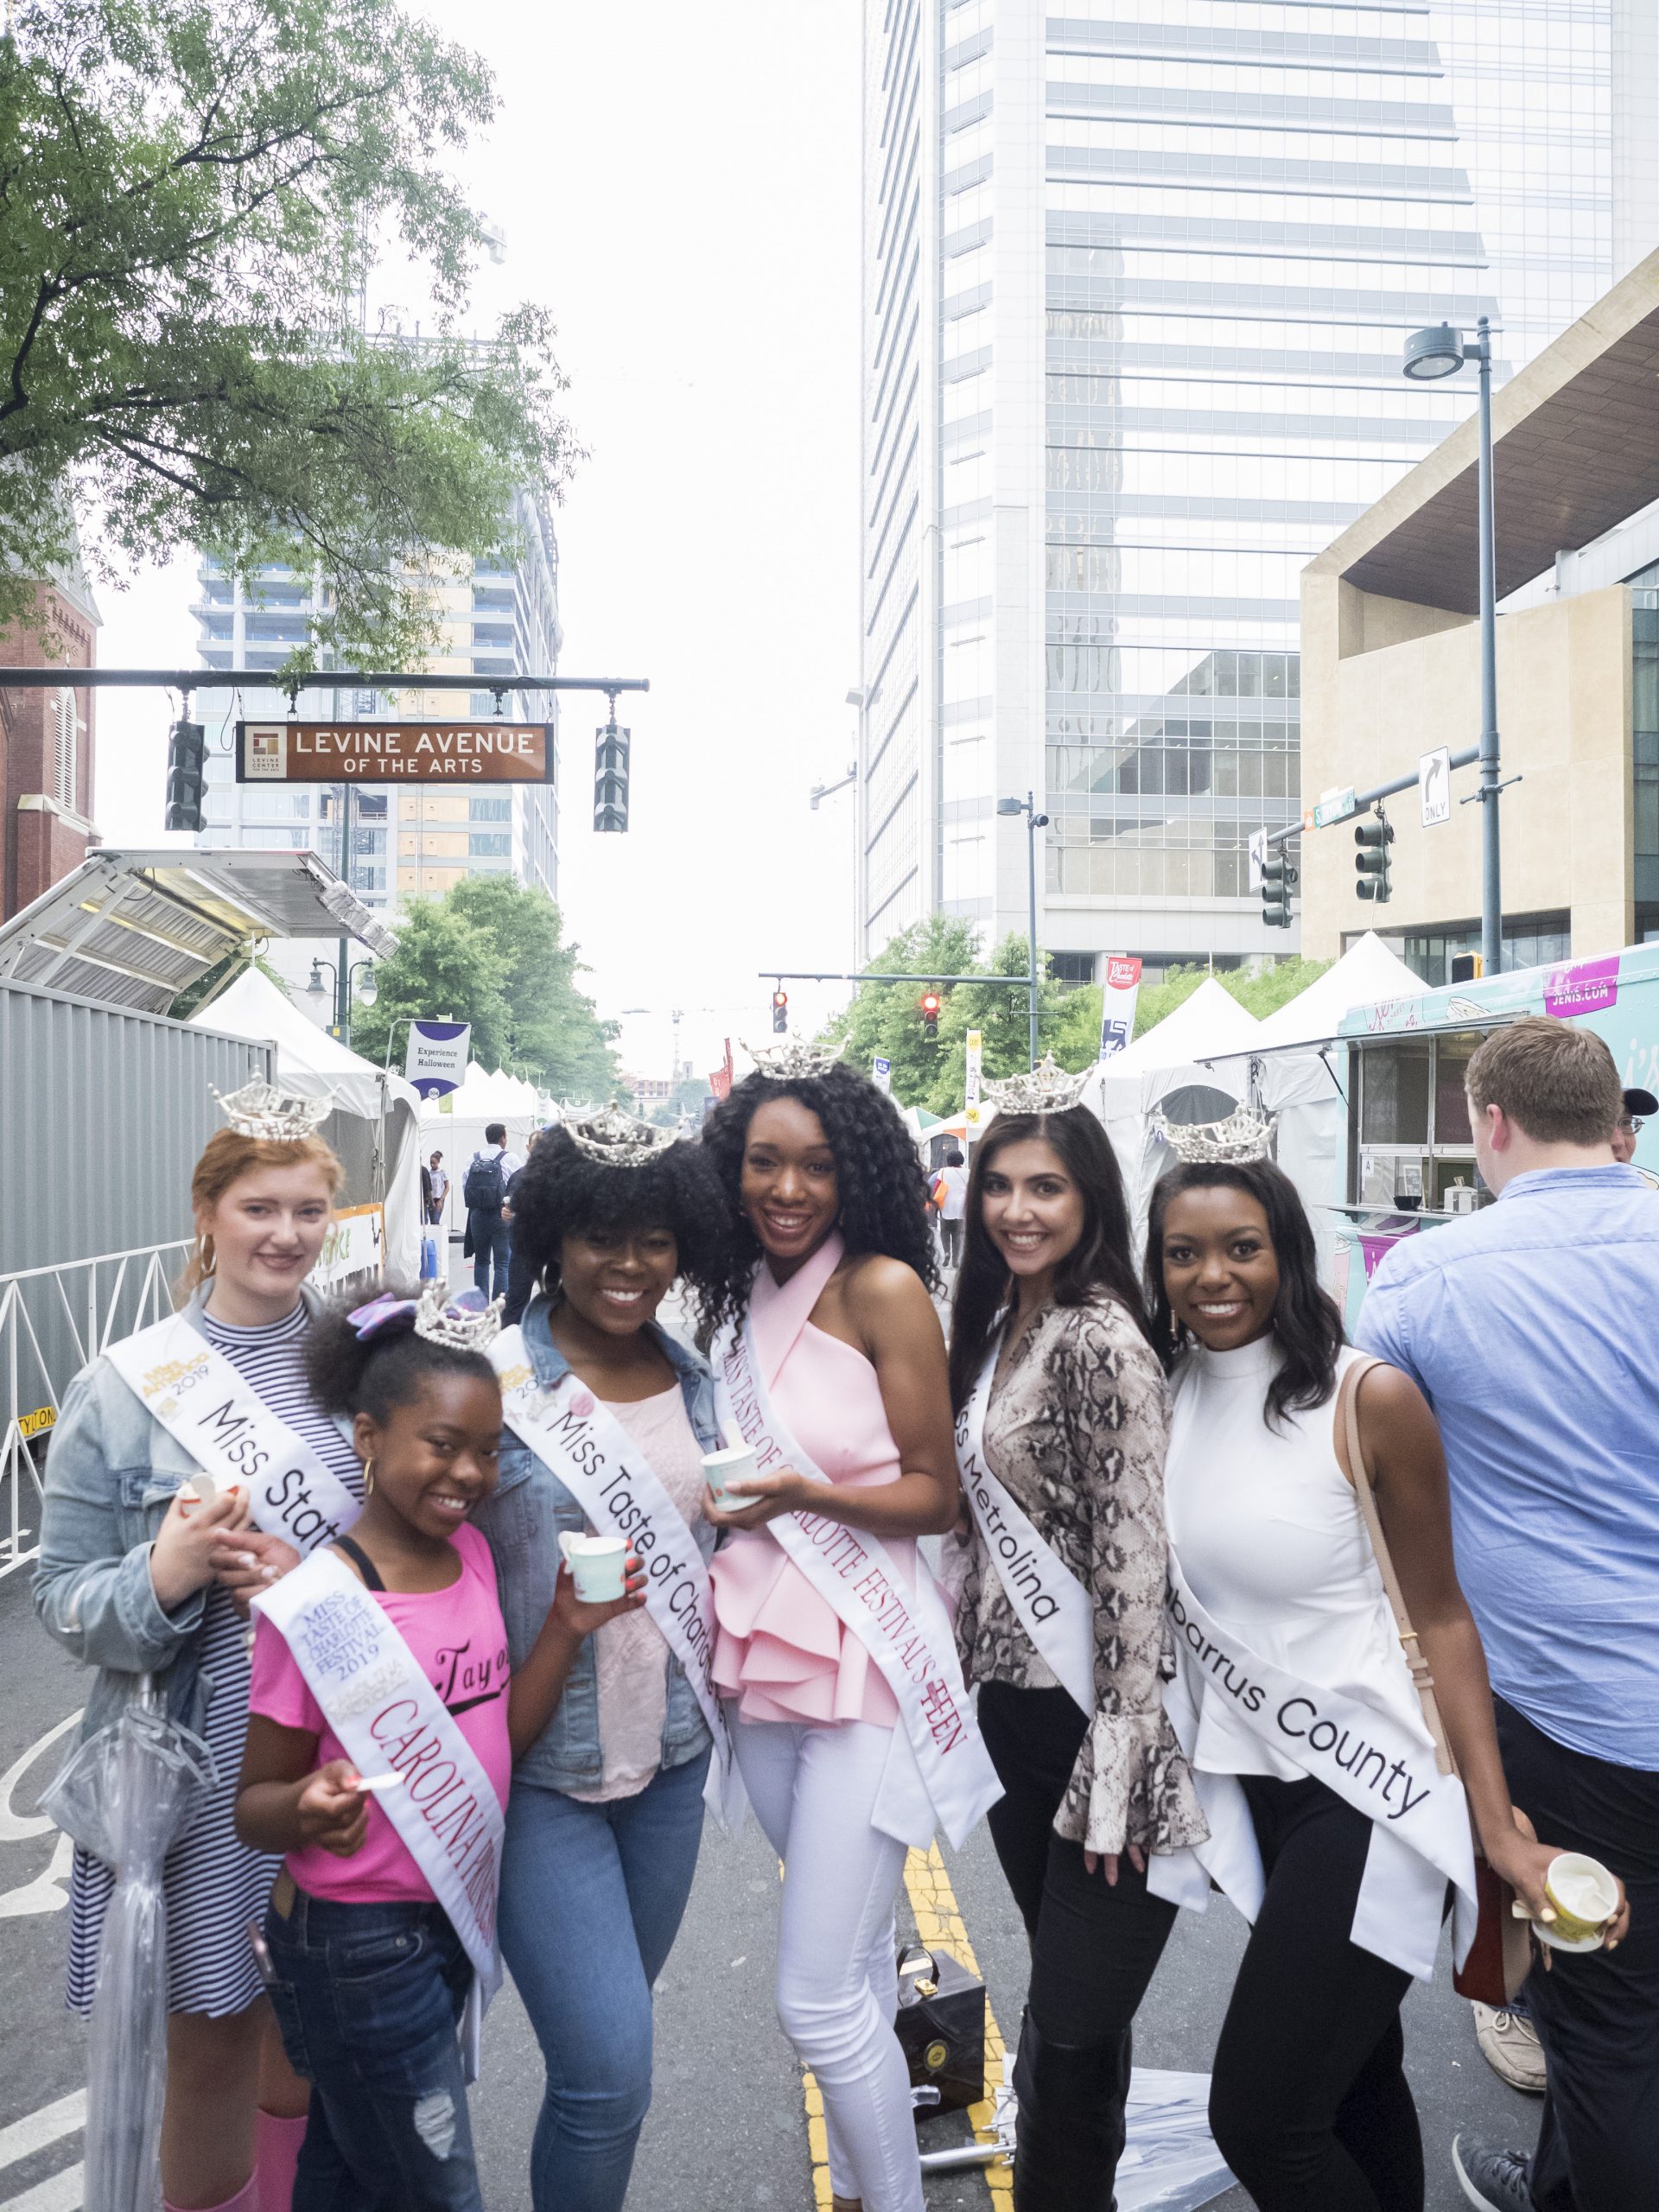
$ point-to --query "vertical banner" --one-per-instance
(972, 1116)
(436, 1062)
(719, 1079)
(1117, 1002)
(881, 1074)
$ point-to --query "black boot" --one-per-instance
(1069, 2132)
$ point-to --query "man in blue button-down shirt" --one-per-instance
(1529, 1328)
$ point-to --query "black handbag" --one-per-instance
(941, 2027)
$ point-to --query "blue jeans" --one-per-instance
(491, 1240)
(368, 1998)
(592, 1897)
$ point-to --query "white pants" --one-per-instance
(812, 1790)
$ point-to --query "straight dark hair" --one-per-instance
(1100, 1260)
(1307, 1322)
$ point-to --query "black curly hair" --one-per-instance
(1306, 1321)
(349, 1375)
(562, 1193)
(882, 1189)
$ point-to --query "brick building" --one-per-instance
(46, 746)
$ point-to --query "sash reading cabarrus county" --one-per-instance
(327, 752)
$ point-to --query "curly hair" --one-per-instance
(562, 1193)
(1307, 1322)
(882, 1189)
(349, 1375)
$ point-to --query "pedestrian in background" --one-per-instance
(605, 1815)
(1521, 1325)
(952, 1190)
(1061, 1402)
(831, 1357)
(1335, 1827)
(1639, 1106)
(138, 1576)
(437, 1189)
(484, 1193)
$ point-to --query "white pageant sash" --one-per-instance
(1421, 1838)
(378, 1702)
(909, 1637)
(1055, 1610)
(231, 1433)
(622, 1495)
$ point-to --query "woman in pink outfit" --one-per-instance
(831, 1348)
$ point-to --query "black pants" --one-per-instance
(1093, 1944)
(1308, 2102)
(491, 1243)
(1597, 2015)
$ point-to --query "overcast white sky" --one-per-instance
(680, 185)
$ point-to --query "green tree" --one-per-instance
(1002, 1013)
(884, 1018)
(553, 1028)
(191, 193)
(1268, 988)
(445, 968)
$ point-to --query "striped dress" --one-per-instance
(215, 1885)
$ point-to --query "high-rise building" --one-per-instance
(389, 842)
(1136, 279)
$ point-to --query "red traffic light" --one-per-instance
(780, 998)
(930, 1006)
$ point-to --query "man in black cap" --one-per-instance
(1639, 1106)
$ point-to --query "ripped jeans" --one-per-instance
(368, 1998)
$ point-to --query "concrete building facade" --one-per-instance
(46, 746)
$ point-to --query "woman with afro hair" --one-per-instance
(827, 1324)
(605, 1816)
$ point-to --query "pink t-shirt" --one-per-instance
(460, 1638)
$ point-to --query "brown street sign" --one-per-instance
(386, 752)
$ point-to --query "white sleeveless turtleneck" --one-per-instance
(1270, 1539)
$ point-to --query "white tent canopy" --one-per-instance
(1208, 1023)
(313, 1062)
(1368, 971)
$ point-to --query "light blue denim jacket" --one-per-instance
(523, 1521)
(111, 1475)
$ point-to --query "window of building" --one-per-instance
(65, 749)
(275, 806)
(370, 806)
(495, 808)
(492, 634)
(1071, 968)
(482, 842)
(493, 667)
(1412, 1139)
(1529, 941)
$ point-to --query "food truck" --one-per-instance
(1408, 1164)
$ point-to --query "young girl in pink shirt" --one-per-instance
(366, 1971)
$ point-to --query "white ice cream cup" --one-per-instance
(598, 1566)
(738, 1463)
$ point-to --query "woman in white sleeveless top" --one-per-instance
(1309, 2101)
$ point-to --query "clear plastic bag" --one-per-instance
(1171, 2162)
(125, 1795)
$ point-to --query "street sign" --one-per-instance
(1434, 782)
(973, 1113)
(881, 1073)
(412, 753)
(1118, 996)
(436, 1062)
(1333, 806)
(1258, 854)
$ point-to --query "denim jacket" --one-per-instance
(111, 1475)
(523, 1520)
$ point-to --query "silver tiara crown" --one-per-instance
(616, 1140)
(262, 1109)
(1046, 1089)
(794, 1061)
(1244, 1135)
(468, 1325)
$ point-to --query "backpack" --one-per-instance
(485, 1190)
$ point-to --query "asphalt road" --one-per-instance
(728, 2129)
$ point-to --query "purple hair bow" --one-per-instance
(382, 1313)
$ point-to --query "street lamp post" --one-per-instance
(342, 977)
(1035, 821)
(1430, 355)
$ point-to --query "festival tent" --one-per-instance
(455, 1126)
(1367, 972)
(374, 1126)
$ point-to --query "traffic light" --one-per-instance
(1371, 861)
(186, 769)
(610, 778)
(930, 1011)
(1277, 877)
(779, 1012)
(1467, 967)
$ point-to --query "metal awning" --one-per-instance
(137, 928)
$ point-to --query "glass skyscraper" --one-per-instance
(1136, 280)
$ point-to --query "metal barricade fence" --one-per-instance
(53, 1321)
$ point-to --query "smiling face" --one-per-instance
(1221, 1273)
(435, 1457)
(789, 1188)
(268, 1229)
(616, 1279)
(1033, 1212)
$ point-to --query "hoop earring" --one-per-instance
(368, 1478)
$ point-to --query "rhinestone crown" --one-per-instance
(615, 1139)
(794, 1061)
(1243, 1136)
(1046, 1089)
(466, 1324)
(262, 1109)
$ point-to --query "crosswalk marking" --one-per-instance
(36, 2129)
(61, 2193)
